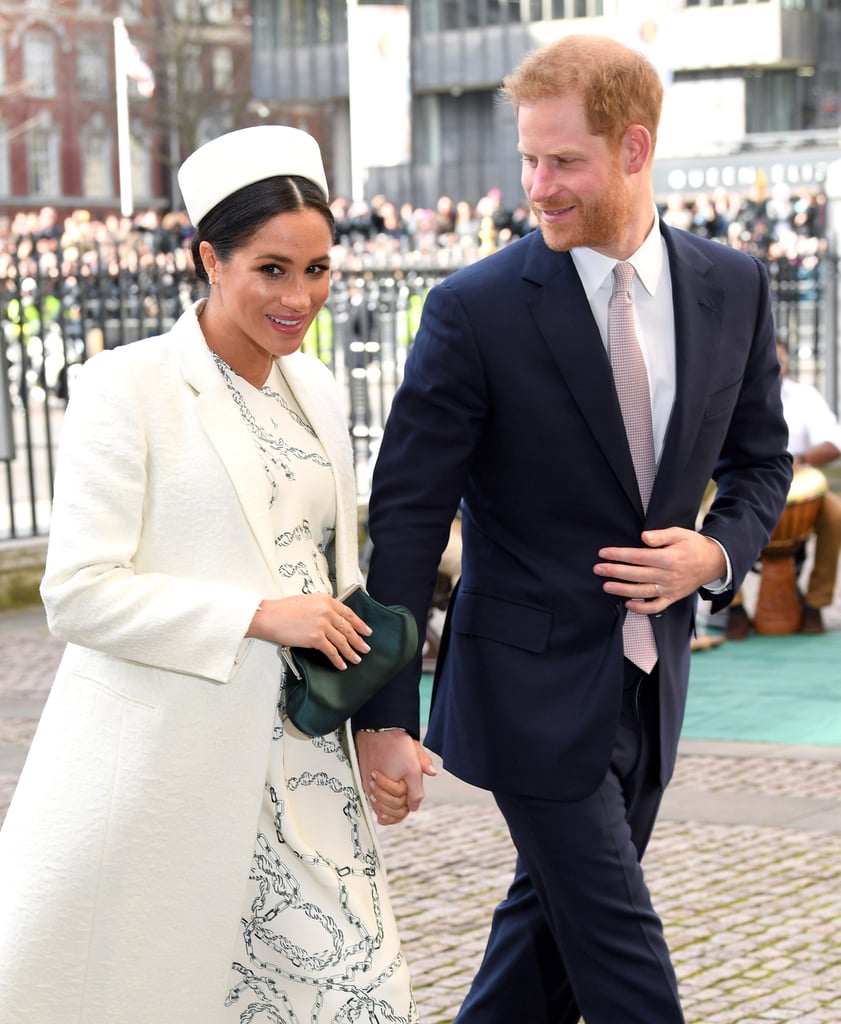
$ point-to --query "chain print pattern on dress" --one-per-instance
(315, 582)
(339, 955)
(316, 941)
(273, 449)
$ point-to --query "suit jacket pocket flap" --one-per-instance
(518, 625)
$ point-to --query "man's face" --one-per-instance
(573, 180)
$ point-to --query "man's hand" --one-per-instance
(392, 766)
(674, 563)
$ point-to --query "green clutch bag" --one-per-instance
(320, 697)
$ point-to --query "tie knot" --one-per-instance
(623, 276)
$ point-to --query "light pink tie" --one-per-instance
(631, 380)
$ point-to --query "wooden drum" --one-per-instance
(778, 609)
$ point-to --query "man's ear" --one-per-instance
(636, 148)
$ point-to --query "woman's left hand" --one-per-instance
(313, 620)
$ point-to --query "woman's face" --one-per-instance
(264, 298)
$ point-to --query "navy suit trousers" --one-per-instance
(577, 934)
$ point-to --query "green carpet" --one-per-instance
(766, 689)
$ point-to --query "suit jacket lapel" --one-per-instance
(564, 318)
(698, 304)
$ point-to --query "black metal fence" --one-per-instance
(51, 325)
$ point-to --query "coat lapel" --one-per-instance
(315, 391)
(564, 318)
(222, 423)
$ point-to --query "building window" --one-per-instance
(577, 8)
(428, 20)
(217, 12)
(323, 21)
(39, 63)
(92, 69)
(223, 69)
(96, 161)
(42, 159)
(141, 166)
(502, 12)
(191, 65)
(211, 126)
(299, 11)
(450, 14)
(829, 99)
(780, 101)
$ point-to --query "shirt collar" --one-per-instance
(595, 269)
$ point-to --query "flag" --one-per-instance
(132, 64)
(379, 75)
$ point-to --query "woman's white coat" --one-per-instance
(150, 758)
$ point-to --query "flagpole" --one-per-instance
(357, 171)
(123, 135)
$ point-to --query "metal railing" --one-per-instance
(363, 334)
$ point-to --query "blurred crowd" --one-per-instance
(118, 269)
(454, 233)
(70, 285)
(780, 223)
(783, 227)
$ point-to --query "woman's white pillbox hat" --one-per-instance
(222, 166)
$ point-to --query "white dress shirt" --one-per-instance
(654, 319)
(654, 316)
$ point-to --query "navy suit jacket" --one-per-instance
(508, 406)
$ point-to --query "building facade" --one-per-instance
(58, 110)
(754, 87)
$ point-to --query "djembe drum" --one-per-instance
(778, 607)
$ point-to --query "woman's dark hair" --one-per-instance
(234, 219)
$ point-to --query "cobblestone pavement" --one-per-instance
(744, 866)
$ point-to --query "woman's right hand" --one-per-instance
(313, 620)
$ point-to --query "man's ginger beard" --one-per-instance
(598, 222)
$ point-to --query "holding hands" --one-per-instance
(392, 765)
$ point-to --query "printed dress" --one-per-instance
(317, 941)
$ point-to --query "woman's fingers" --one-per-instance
(388, 798)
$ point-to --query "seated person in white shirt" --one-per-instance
(814, 439)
